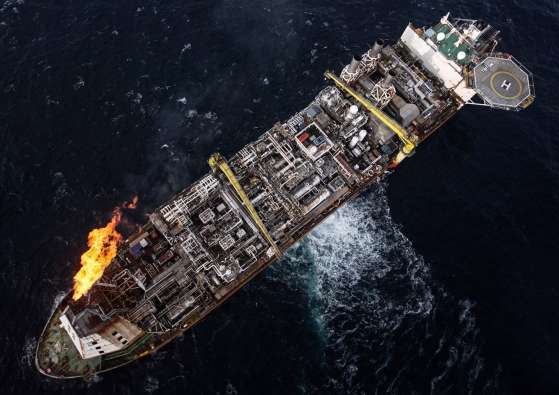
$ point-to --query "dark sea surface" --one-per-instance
(442, 280)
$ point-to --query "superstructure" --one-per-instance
(205, 243)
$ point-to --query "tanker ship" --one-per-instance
(209, 240)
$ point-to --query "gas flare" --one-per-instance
(103, 245)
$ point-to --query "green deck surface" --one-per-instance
(448, 46)
(58, 356)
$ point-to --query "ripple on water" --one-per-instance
(374, 302)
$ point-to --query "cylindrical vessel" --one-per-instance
(377, 47)
(354, 65)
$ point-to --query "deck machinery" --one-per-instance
(206, 242)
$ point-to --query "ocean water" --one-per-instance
(441, 280)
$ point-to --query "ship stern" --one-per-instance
(56, 356)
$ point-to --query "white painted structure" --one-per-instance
(117, 335)
(446, 70)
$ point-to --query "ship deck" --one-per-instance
(447, 45)
(56, 354)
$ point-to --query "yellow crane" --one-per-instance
(409, 146)
(218, 163)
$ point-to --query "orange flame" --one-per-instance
(103, 246)
(102, 243)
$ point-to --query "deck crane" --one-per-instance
(409, 145)
(218, 163)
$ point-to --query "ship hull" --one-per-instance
(156, 341)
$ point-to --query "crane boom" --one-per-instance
(409, 146)
(217, 162)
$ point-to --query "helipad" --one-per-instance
(502, 82)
